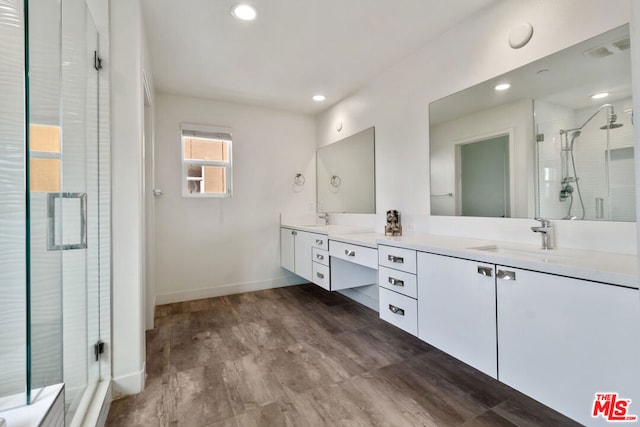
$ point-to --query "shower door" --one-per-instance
(79, 206)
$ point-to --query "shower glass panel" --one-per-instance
(13, 245)
(45, 147)
(586, 173)
(50, 228)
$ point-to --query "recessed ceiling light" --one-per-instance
(319, 98)
(600, 95)
(244, 12)
(503, 86)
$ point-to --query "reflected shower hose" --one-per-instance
(575, 175)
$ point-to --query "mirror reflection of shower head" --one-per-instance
(574, 135)
(611, 121)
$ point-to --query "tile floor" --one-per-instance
(302, 356)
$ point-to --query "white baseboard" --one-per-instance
(129, 384)
(234, 288)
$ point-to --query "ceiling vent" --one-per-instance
(608, 49)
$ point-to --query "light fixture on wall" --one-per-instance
(244, 12)
(600, 95)
(502, 86)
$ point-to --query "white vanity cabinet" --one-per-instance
(321, 268)
(398, 287)
(352, 265)
(562, 340)
(457, 309)
(296, 251)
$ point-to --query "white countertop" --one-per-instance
(595, 266)
(330, 230)
(369, 240)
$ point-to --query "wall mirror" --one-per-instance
(549, 144)
(346, 177)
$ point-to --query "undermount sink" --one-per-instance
(546, 254)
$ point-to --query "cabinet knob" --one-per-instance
(485, 271)
(347, 252)
(396, 282)
(319, 242)
(320, 275)
(319, 256)
(506, 275)
(396, 259)
(293, 232)
(396, 310)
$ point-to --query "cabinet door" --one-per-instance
(304, 258)
(287, 249)
(457, 309)
(563, 340)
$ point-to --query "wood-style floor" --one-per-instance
(302, 356)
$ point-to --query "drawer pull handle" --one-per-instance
(347, 252)
(396, 310)
(485, 271)
(396, 282)
(319, 242)
(321, 257)
(320, 275)
(396, 259)
(506, 275)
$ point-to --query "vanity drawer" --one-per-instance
(399, 310)
(320, 241)
(354, 253)
(398, 281)
(321, 275)
(320, 255)
(397, 258)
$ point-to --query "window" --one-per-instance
(206, 161)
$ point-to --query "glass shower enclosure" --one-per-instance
(54, 267)
(586, 161)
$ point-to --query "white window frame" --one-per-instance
(207, 132)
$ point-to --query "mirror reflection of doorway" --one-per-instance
(483, 177)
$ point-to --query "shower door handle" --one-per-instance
(55, 203)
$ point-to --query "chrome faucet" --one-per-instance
(546, 230)
(325, 217)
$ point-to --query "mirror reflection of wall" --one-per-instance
(545, 97)
(346, 175)
(514, 193)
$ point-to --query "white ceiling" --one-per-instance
(293, 50)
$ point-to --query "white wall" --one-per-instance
(397, 104)
(127, 103)
(209, 246)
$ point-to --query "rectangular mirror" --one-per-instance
(346, 176)
(543, 145)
